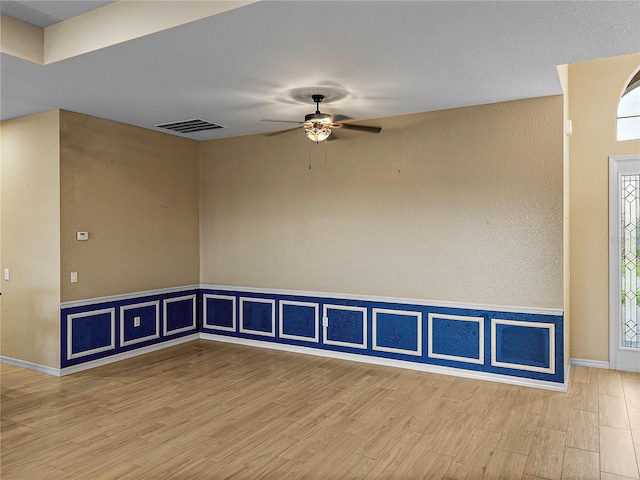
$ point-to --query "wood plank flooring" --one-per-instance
(207, 410)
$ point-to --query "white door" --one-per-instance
(624, 262)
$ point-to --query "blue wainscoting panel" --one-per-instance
(456, 337)
(396, 331)
(346, 326)
(523, 345)
(219, 312)
(258, 316)
(453, 336)
(179, 314)
(91, 332)
(299, 320)
(505, 341)
(139, 322)
(103, 327)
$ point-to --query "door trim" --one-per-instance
(618, 165)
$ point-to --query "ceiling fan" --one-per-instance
(318, 126)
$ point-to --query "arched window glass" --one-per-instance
(629, 110)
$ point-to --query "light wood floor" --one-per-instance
(207, 410)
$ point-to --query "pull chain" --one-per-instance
(325, 153)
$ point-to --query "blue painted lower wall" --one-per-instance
(99, 329)
(526, 345)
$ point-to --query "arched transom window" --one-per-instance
(629, 110)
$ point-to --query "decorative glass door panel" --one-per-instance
(624, 258)
(630, 203)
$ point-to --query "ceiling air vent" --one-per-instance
(189, 126)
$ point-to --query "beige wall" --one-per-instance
(136, 192)
(455, 205)
(458, 205)
(29, 156)
(594, 90)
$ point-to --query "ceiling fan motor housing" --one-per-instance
(318, 118)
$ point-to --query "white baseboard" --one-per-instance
(130, 354)
(567, 375)
(60, 372)
(583, 362)
(523, 382)
(30, 365)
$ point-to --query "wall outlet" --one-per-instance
(136, 321)
(82, 236)
(325, 321)
(6, 274)
(74, 277)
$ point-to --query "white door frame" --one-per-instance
(619, 358)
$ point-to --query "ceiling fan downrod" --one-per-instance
(317, 98)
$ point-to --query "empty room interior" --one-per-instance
(307, 240)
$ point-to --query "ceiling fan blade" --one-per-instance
(280, 132)
(280, 121)
(341, 118)
(361, 128)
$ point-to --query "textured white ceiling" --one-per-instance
(387, 58)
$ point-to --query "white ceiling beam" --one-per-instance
(103, 27)
(21, 40)
(125, 20)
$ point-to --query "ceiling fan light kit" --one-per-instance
(318, 125)
(317, 132)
